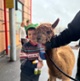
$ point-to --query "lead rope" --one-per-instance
(60, 69)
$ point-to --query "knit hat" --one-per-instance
(31, 26)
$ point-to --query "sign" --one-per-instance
(9, 3)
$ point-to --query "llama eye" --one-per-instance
(48, 32)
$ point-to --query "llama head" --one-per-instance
(45, 31)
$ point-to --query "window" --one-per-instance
(19, 13)
(19, 16)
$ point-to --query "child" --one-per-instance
(30, 60)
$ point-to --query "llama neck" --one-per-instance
(53, 53)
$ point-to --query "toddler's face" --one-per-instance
(32, 35)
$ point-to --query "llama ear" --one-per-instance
(55, 23)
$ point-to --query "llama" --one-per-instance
(62, 56)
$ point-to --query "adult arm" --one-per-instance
(72, 33)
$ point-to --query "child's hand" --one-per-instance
(39, 64)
